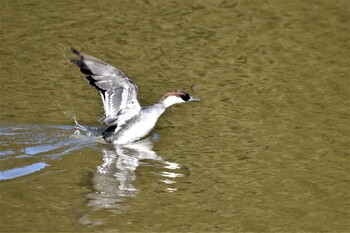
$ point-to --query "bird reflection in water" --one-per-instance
(114, 180)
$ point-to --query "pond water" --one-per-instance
(267, 149)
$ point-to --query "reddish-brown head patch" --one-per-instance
(178, 93)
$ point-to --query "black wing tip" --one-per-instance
(76, 51)
(77, 61)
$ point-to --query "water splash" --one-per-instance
(38, 143)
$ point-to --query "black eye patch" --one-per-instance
(185, 96)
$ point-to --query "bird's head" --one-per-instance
(175, 97)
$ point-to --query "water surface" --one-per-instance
(266, 150)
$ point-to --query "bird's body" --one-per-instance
(127, 120)
(136, 127)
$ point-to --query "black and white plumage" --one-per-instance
(123, 114)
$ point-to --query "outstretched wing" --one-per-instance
(118, 91)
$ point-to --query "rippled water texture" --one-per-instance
(267, 150)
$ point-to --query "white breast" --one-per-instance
(136, 131)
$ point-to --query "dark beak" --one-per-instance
(192, 99)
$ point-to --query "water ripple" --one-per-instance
(37, 143)
(22, 171)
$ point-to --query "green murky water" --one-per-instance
(267, 150)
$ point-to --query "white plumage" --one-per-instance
(123, 114)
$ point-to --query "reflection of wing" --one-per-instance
(118, 91)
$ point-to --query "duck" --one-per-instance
(126, 120)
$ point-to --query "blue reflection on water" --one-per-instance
(39, 143)
(22, 171)
(7, 152)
